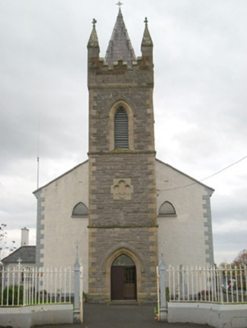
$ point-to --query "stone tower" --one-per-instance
(122, 181)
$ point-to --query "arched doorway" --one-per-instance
(123, 278)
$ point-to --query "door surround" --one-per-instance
(138, 264)
(123, 279)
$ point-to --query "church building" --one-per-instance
(123, 208)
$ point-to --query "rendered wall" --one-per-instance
(187, 237)
(59, 232)
(215, 315)
(26, 317)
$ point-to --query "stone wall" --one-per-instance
(122, 182)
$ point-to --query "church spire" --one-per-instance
(146, 40)
(93, 46)
(147, 44)
(93, 40)
(120, 45)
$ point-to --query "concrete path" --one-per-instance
(122, 316)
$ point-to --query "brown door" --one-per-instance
(123, 283)
(117, 282)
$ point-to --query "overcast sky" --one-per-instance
(200, 98)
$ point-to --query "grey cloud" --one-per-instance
(200, 72)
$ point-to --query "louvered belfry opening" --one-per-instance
(121, 128)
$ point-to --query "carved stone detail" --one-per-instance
(122, 189)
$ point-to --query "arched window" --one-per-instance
(123, 260)
(167, 209)
(80, 210)
(121, 129)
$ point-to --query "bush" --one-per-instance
(9, 291)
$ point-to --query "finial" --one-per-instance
(119, 4)
(94, 22)
(146, 21)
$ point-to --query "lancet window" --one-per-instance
(121, 129)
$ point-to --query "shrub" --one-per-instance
(11, 291)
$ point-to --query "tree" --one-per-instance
(3, 236)
(241, 259)
(5, 249)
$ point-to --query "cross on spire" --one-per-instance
(119, 4)
(146, 21)
(94, 22)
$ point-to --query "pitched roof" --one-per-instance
(120, 45)
(25, 253)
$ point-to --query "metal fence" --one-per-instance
(226, 284)
(21, 286)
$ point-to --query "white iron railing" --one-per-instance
(28, 286)
(207, 284)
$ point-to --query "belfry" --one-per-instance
(122, 180)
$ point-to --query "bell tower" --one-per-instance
(122, 180)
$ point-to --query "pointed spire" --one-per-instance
(93, 40)
(147, 45)
(146, 40)
(120, 45)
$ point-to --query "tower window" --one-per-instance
(167, 209)
(121, 129)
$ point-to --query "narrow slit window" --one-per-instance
(121, 129)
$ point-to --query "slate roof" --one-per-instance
(120, 44)
(25, 253)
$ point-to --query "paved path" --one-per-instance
(122, 316)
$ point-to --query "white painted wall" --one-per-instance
(28, 316)
(181, 238)
(215, 315)
(61, 231)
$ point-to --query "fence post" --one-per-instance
(81, 294)
(77, 290)
(163, 303)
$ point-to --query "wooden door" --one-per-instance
(117, 282)
(123, 283)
